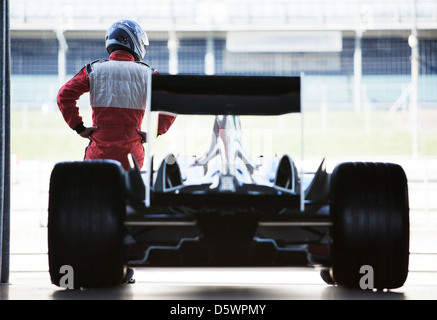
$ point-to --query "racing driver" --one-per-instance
(117, 96)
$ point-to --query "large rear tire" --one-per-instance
(87, 208)
(370, 215)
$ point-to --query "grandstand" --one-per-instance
(355, 51)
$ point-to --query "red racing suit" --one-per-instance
(118, 92)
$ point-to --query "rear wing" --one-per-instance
(225, 95)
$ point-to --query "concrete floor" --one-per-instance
(217, 284)
(29, 280)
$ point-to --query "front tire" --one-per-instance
(87, 208)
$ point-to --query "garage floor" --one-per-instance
(29, 280)
(177, 284)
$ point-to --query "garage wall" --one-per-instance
(4, 143)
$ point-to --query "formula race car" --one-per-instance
(226, 208)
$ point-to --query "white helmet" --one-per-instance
(129, 36)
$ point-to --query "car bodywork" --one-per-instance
(227, 208)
